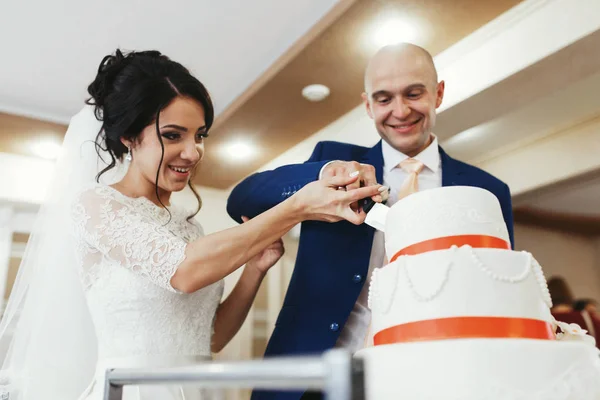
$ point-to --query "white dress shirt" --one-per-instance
(353, 334)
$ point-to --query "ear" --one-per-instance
(365, 98)
(440, 93)
(127, 143)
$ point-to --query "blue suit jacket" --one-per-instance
(333, 258)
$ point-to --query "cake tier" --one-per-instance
(476, 369)
(441, 213)
(458, 283)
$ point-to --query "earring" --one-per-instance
(128, 157)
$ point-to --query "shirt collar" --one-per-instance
(430, 156)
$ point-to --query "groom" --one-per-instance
(326, 302)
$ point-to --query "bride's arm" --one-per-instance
(232, 312)
(213, 257)
(114, 227)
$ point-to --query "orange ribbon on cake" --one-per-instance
(443, 243)
(466, 327)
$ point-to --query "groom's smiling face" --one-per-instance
(402, 95)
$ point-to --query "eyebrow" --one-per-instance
(415, 86)
(407, 89)
(181, 128)
(380, 93)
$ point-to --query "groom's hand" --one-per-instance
(366, 172)
(268, 257)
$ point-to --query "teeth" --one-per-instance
(182, 170)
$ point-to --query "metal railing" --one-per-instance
(336, 373)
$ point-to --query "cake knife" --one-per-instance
(376, 213)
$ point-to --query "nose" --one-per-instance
(192, 152)
(400, 110)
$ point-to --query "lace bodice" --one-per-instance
(128, 251)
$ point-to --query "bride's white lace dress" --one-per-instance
(128, 251)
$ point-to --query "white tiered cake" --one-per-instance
(457, 315)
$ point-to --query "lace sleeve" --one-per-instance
(108, 227)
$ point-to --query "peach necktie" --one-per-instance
(411, 184)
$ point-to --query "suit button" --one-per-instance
(334, 327)
(357, 278)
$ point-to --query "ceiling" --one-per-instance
(570, 206)
(554, 94)
(585, 195)
(578, 196)
(257, 92)
(227, 44)
(276, 117)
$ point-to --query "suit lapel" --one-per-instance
(451, 170)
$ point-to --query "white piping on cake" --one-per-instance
(541, 279)
(374, 294)
(375, 287)
(503, 278)
(425, 298)
(371, 288)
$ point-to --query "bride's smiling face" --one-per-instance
(182, 129)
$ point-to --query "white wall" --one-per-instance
(24, 179)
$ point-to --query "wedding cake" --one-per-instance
(458, 315)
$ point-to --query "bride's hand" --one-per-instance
(322, 201)
(264, 260)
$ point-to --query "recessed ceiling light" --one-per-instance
(394, 31)
(315, 92)
(239, 151)
(46, 148)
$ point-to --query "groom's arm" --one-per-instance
(261, 191)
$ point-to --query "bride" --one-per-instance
(114, 275)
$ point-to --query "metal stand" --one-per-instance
(335, 373)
